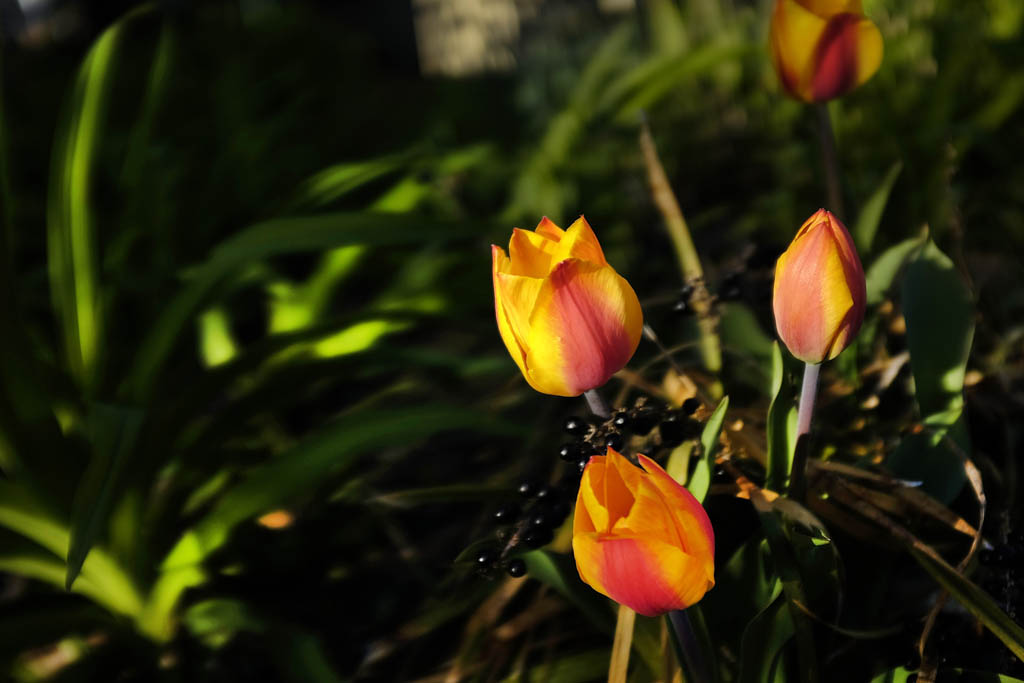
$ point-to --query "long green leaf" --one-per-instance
(261, 241)
(780, 448)
(700, 482)
(114, 432)
(976, 601)
(74, 280)
(870, 217)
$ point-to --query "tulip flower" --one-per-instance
(819, 292)
(568, 319)
(640, 538)
(823, 48)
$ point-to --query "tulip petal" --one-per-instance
(549, 229)
(649, 576)
(794, 37)
(819, 290)
(697, 535)
(828, 8)
(530, 253)
(513, 300)
(585, 326)
(847, 54)
(580, 242)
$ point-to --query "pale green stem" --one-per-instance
(598, 406)
(808, 394)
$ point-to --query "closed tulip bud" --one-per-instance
(823, 48)
(640, 538)
(819, 291)
(568, 319)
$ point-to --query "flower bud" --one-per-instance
(568, 319)
(640, 538)
(823, 49)
(819, 292)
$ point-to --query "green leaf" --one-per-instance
(559, 573)
(114, 432)
(976, 601)
(871, 212)
(261, 241)
(884, 269)
(940, 328)
(74, 279)
(701, 479)
(324, 454)
(764, 639)
(779, 447)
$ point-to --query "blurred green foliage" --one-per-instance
(245, 272)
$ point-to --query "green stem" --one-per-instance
(830, 161)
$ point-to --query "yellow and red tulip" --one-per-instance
(819, 292)
(568, 319)
(640, 538)
(823, 48)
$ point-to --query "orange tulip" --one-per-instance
(819, 292)
(823, 48)
(640, 538)
(568, 319)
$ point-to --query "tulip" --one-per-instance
(568, 319)
(819, 292)
(823, 48)
(640, 538)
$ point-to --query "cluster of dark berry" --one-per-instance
(748, 278)
(532, 521)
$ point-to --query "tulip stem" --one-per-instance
(830, 160)
(598, 406)
(688, 648)
(808, 394)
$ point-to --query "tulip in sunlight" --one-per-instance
(641, 538)
(819, 292)
(568, 319)
(823, 49)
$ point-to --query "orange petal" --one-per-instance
(585, 326)
(548, 228)
(794, 35)
(530, 253)
(649, 576)
(591, 497)
(579, 242)
(696, 534)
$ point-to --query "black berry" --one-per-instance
(621, 421)
(486, 557)
(569, 452)
(537, 538)
(506, 514)
(575, 426)
(614, 441)
(516, 568)
(690, 405)
(528, 488)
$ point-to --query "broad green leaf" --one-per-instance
(976, 601)
(701, 479)
(764, 639)
(882, 272)
(870, 217)
(940, 328)
(113, 435)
